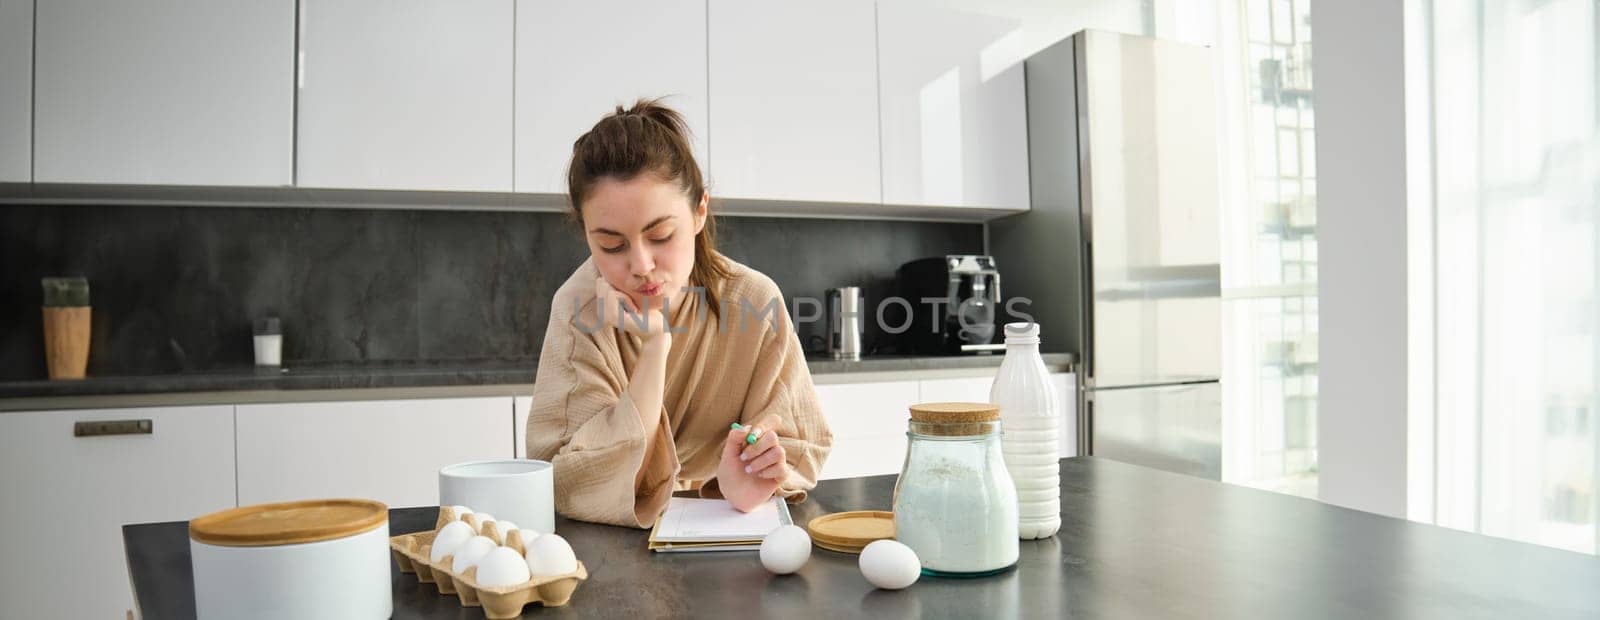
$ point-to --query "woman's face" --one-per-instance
(641, 233)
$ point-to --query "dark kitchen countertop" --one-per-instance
(899, 363)
(314, 377)
(508, 377)
(1134, 543)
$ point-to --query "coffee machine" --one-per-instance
(955, 302)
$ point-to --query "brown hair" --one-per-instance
(649, 138)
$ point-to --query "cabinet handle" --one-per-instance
(102, 428)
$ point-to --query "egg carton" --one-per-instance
(411, 553)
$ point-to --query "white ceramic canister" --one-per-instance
(308, 560)
(521, 491)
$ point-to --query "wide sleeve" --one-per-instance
(781, 385)
(584, 423)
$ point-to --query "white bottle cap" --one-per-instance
(1022, 330)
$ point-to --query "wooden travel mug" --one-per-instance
(66, 327)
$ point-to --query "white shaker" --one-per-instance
(1030, 413)
(269, 342)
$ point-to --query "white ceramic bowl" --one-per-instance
(521, 491)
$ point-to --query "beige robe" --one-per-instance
(718, 372)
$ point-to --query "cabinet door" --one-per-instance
(16, 91)
(954, 110)
(164, 92)
(1066, 387)
(67, 498)
(976, 390)
(868, 421)
(405, 94)
(965, 390)
(794, 102)
(390, 451)
(566, 83)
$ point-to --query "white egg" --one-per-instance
(470, 552)
(502, 567)
(528, 536)
(461, 511)
(785, 549)
(890, 565)
(449, 537)
(483, 517)
(550, 554)
(501, 528)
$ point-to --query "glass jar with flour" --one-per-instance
(955, 504)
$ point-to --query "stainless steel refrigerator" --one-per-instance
(1119, 252)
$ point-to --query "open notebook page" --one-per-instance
(707, 520)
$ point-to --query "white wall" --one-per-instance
(1361, 229)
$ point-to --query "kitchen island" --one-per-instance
(1134, 543)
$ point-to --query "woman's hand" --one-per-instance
(654, 318)
(749, 474)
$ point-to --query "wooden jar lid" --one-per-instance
(288, 523)
(849, 532)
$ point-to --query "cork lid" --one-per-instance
(288, 523)
(954, 419)
(955, 413)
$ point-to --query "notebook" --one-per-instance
(695, 524)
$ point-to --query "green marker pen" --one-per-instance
(748, 439)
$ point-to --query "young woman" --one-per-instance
(657, 345)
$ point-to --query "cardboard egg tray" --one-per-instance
(411, 552)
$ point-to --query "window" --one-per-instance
(1509, 218)
(1269, 247)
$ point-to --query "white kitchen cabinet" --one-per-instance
(390, 451)
(67, 498)
(1066, 386)
(868, 421)
(976, 390)
(794, 101)
(962, 390)
(566, 81)
(16, 91)
(519, 425)
(166, 92)
(953, 109)
(406, 94)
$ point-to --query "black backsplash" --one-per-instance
(174, 289)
